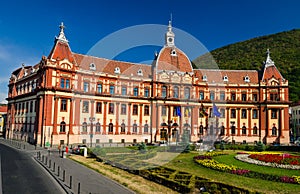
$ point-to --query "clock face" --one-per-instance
(170, 39)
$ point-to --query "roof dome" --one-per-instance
(173, 59)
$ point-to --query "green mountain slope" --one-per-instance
(250, 54)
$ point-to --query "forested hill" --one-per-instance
(250, 54)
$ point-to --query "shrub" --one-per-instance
(260, 146)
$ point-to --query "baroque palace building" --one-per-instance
(73, 98)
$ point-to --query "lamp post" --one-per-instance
(92, 119)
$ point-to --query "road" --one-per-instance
(19, 173)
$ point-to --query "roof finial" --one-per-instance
(269, 61)
(61, 35)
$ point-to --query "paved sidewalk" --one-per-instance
(84, 180)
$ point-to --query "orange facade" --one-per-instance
(72, 98)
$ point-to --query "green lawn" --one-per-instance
(230, 160)
(184, 162)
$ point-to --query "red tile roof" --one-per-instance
(180, 62)
(234, 76)
(108, 66)
(61, 51)
(3, 108)
(271, 71)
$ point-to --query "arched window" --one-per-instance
(233, 130)
(62, 126)
(146, 128)
(187, 93)
(244, 130)
(274, 131)
(123, 128)
(134, 128)
(164, 91)
(201, 129)
(211, 130)
(84, 127)
(110, 128)
(222, 132)
(98, 127)
(176, 92)
(254, 130)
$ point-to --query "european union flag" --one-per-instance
(215, 111)
(178, 111)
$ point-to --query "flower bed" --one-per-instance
(209, 162)
(276, 158)
(246, 158)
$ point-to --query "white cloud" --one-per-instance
(3, 96)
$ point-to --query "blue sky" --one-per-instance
(28, 28)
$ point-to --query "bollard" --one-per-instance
(64, 175)
(54, 167)
(24, 146)
(43, 158)
(58, 171)
(70, 182)
(49, 163)
(46, 160)
(78, 188)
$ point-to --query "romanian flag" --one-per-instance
(202, 111)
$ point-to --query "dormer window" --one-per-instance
(173, 52)
(225, 78)
(247, 79)
(204, 78)
(117, 70)
(92, 66)
(140, 72)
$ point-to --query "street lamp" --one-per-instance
(91, 132)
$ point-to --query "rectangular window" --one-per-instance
(254, 114)
(136, 91)
(254, 97)
(164, 91)
(146, 110)
(67, 84)
(212, 95)
(85, 107)
(232, 113)
(85, 86)
(124, 91)
(146, 92)
(123, 109)
(244, 113)
(97, 140)
(63, 105)
(163, 111)
(222, 95)
(187, 93)
(201, 95)
(112, 89)
(244, 97)
(233, 97)
(98, 107)
(31, 106)
(62, 82)
(222, 111)
(274, 114)
(135, 109)
(99, 88)
(27, 106)
(111, 108)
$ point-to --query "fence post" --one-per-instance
(70, 182)
(78, 188)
